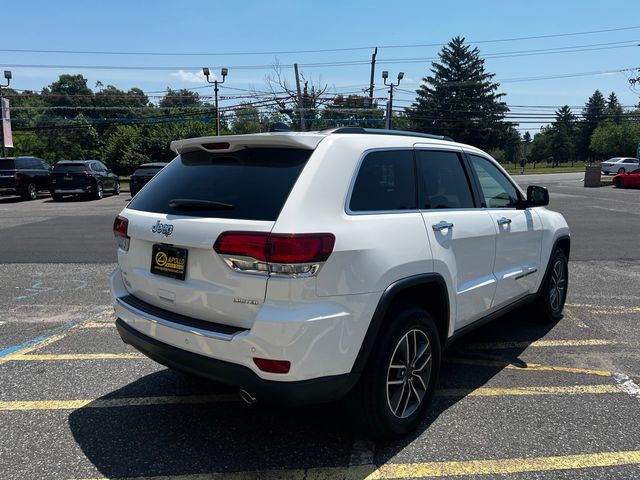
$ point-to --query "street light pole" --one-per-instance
(7, 76)
(215, 83)
(385, 75)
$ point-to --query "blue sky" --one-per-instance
(228, 28)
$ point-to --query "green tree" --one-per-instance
(540, 151)
(459, 98)
(593, 114)
(512, 146)
(616, 139)
(180, 99)
(562, 140)
(246, 119)
(614, 110)
(352, 110)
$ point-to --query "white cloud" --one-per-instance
(189, 77)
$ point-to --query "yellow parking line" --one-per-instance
(521, 391)
(114, 402)
(94, 324)
(76, 356)
(605, 309)
(501, 466)
(535, 367)
(506, 466)
(196, 399)
(541, 343)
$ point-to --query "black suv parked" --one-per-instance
(143, 174)
(89, 177)
(24, 176)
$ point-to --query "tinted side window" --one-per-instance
(497, 190)
(22, 163)
(386, 181)
(443, 182)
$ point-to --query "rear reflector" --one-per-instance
(277, 248)
(272, 366)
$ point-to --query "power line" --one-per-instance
(346, 63)
(323, 50)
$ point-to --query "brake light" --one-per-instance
(216, 146)
(285, 254)
(18, 176)
(272, 366)
(120, 231)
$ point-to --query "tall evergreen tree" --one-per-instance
(613, 110)
(593, 114)
(459, 98)
(562, 139)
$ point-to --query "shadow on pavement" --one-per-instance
(183, 439)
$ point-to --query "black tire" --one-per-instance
(98, 191)
(31, 193)
(553, 291)
(617, 182)
(621, 170)
(116, 189)
(372, 398)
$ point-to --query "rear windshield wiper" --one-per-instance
(193, 204)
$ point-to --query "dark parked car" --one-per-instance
(88, 177)
(143, 174)
(24, 176)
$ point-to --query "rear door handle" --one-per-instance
(504, 221)
(437, 227)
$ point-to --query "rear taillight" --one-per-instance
(120, 231)
(18, 176)
(280, 254)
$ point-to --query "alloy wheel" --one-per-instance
(558, 285)
(409, 373)
(32, 191)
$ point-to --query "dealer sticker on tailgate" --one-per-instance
(169, 261)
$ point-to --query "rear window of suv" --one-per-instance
(64, 168)
(6, 164)
(147, 170)
(254, 183)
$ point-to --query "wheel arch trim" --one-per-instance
(386, 300)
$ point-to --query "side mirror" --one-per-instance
(537, 196)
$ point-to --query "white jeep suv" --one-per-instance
(305, 267)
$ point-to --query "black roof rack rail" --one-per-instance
(381, 131)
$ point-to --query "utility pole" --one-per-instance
(373, 71)
(215, 83)
(385, 75)
(7, 76)
(300, 106)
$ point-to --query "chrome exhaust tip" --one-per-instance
(247, 397)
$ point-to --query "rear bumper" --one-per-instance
(321, 340)
(316, 390)
(69, 191)
(11, 190)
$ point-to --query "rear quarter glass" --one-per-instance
(255, 181)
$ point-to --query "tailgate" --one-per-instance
(175, 220)
(210, 290)
(7, 179)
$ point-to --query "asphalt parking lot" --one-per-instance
(517, 399)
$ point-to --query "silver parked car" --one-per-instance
(619, 165)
